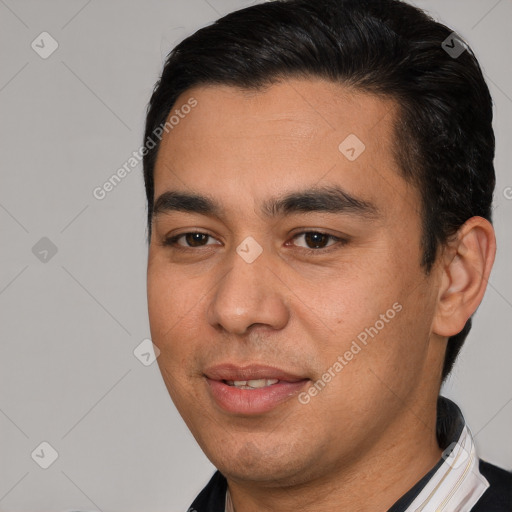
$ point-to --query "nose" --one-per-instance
(249, 294)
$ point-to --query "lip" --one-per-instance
(251, 401)
(231, 371)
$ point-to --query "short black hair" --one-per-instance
(444, 140)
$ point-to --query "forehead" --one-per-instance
(298, 131)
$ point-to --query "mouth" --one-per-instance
(251, 389)
(251, 384)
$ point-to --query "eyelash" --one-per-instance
(172, 242)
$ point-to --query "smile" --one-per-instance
(251, 389)
(252, 384)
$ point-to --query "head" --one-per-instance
(389, 138)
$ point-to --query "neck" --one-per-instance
(402, 455)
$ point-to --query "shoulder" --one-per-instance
(498, 497)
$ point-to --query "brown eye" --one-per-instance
(316, 239)
(192, 239)
(195, 239)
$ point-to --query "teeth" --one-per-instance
(257, 383)
(261, 383)
(252, 384)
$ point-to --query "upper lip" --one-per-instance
(231, 372)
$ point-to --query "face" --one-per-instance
(285, 256)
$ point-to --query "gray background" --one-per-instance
(70, 324)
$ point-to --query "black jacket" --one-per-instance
(497, 498)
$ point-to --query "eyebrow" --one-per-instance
(330, 199)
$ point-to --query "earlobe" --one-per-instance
(466, 265)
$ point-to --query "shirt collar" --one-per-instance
(455, 484)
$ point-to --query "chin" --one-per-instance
(269, 464)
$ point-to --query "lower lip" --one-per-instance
(253, 401)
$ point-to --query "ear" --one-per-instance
(466, 265)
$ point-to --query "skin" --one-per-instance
(369, 435)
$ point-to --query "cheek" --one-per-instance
(374, 316)
(349, 301)
(173, 303)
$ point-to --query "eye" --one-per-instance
(191, 239)
(315, 241)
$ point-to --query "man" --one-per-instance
(319, 178)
